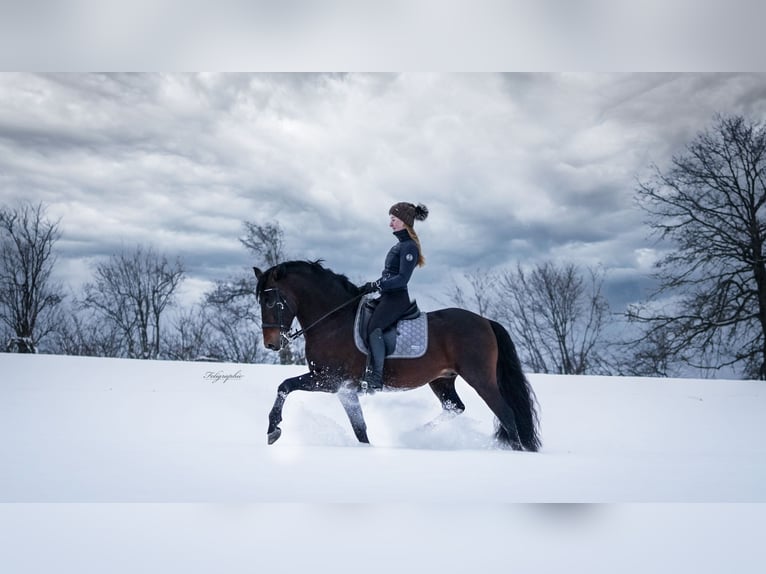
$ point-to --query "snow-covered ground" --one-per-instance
(429, 491)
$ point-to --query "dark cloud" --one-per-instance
(514, 167)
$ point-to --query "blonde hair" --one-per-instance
(416, 239)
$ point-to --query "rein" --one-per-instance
(297, 334)
(284, 328)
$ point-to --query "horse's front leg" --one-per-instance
(349, 398)
(303, 383)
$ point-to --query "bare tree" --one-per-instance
(480, 299)
(709, 207)
(265, 241)
(557, 314)
(230, 316)
(191, 337)
(650, 356)
(83, 332)
(131, 290)
(29, 298)
(234, 322)
(232, 303)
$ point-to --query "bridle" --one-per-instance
(281, 303)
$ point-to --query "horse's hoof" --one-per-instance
(274, 435)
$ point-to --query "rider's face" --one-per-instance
(396, 223)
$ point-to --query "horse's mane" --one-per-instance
(305, 267)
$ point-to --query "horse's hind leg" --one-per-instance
(444, 389)
(485, 384)
(350, 401)
(507, 432)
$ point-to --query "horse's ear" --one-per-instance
(258, 273)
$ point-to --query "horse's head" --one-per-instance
(277, 309)
(302, 288)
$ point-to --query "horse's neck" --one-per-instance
(315, 305)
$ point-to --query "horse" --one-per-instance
(460, 343)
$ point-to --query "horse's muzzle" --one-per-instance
(272, 339)
(273, 346)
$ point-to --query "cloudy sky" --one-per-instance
(514, 168)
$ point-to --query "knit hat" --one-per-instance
(409, 212)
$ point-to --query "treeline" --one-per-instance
(129, 308)
(707, 212)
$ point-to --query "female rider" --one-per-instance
(394, 300)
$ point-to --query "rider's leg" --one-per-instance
(377, 347)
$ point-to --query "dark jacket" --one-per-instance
(400, 263)
(394, 296)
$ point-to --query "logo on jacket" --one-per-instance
(409, 257)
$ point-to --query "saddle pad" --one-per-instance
(411, 339)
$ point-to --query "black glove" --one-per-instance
(370, 287)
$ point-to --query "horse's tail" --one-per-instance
(517, 392)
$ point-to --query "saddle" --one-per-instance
(406, 339)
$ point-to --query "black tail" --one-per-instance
(517, 392)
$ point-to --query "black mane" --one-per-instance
(305, 267)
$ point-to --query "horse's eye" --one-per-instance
(272, 299)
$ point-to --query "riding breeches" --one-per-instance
(393, 305)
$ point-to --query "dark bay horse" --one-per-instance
(459, 343)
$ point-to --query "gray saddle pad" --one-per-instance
(411, 337)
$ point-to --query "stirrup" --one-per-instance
(369, 386)
(366, 389)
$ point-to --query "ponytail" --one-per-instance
(416, 239)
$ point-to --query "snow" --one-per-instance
(430, 492)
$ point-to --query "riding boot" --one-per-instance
(373, 376)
